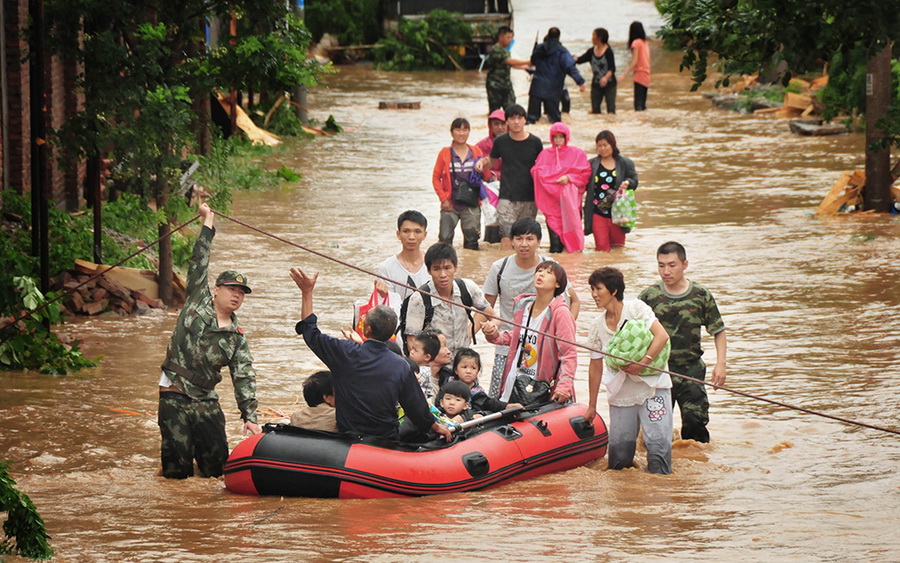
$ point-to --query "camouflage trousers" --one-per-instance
(191, 430)
(692, 400)
(500, 98)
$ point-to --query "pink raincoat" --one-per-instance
(561, 204)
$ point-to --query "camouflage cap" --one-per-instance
(231, 277)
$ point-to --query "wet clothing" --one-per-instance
(561, 204)
(518, 159)
(485, 145)
(556, 360)
(393, 269)
(599, 197)
(654, 417)
(640, 50)
(552, 62)
(498, 83)
(191, 429)
(446, 169)
(198, 349)
(320, 417)
(451, 320)
(683, 316)
(600, 66)
(369, 381)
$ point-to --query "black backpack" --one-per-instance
(429, 310)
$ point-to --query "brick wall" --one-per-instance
(65, 179)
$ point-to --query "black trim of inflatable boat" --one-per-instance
(284, 472)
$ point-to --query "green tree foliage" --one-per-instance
(427, 44)
(783, 38)
(23, 523)
(354, 22)
(27, 344)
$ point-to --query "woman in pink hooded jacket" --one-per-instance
(541, 357)
(561, 173)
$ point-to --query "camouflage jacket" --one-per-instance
(199, 348)
(682, 316)
(498, 72)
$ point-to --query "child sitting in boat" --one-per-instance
(424, 350)
(319, 413)
(453, 403)
(466, 368)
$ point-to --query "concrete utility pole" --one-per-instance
(300, 91)
(878, 162)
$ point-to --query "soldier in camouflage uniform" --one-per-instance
(498, 63)
(683, 307)
(206, 338)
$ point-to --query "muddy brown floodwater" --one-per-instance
(812, 307)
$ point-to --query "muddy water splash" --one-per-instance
(811, 307)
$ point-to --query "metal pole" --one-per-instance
(300, 91)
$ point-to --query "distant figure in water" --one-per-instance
(552, 63)
(611, 175)
(498, 63)
(640, 64)
(603, 65)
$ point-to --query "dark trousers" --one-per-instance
(640, 97)
(692, 401)
(191, 430)
(556, 245)
(551, 106)
(598, 94)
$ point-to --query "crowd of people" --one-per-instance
(551, 63)
(510, 174)
(414, 365)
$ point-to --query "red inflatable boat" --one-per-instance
(289, 461)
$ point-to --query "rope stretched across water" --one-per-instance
(68, 292)
(576, 344)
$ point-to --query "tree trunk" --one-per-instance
(878, 162)
(165, 244)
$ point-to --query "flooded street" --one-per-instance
(811, 305)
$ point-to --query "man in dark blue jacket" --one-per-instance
(369, 380)
(552, 62)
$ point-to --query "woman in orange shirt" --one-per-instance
(640, 64)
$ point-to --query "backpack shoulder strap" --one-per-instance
(500, 274)
(466, 298)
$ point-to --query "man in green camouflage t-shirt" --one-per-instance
(498, 63)
(683, 307)
(206, 338)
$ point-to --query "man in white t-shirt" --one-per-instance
(512, 276)
(407, 267)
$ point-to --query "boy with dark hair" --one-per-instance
(319, 413)
(408, 266)
(453, 402)
(683, 307)
(510, 277)
(519, 149)
(422, 311)
(424, 349)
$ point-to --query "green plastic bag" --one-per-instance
(631, 342)
(624, 211)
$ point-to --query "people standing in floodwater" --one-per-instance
(636, 402)
(561, 173)
(519, 149)
(683, 307)
(603, 66)
(640, 64)
(500, 93)
(552, 63)
(611, 174)
(206, 338)
(454, 170)
(408, 266)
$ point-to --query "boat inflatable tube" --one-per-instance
(289, 461)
